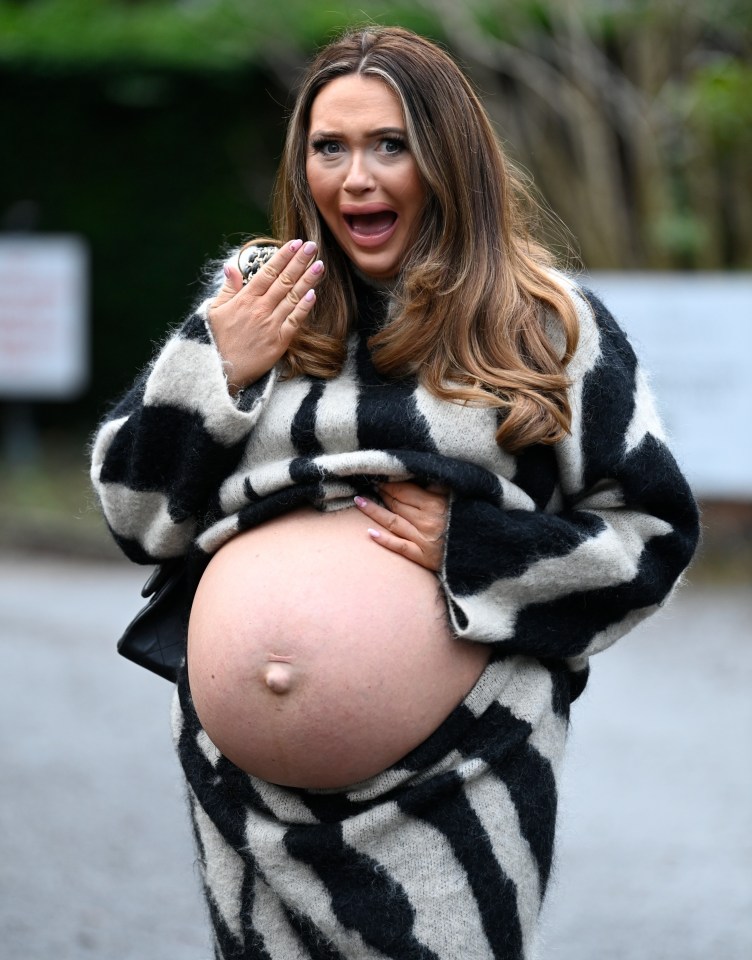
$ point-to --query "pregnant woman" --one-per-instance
(426, 480)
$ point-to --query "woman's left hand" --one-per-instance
(412, 521)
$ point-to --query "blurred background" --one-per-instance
(139, 139)
(148, 133)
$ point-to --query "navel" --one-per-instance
(278, 676)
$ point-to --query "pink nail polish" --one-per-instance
(295, 245)
(374, 533)
(309, 247)
(226, 270)
(310, 296)
(360, 501)
(317, 267)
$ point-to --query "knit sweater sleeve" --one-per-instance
(162, 452)
(567, 580)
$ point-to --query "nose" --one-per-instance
(358, 178)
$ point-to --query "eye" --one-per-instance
(328, 148)
(393, 145)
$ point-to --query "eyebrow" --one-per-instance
(378, 132)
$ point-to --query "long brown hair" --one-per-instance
(475, 292)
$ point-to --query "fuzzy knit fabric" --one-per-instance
(550, 556)
(554, 552)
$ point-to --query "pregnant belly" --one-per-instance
(316, 657)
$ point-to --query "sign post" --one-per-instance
(44, 352)
(694, 334)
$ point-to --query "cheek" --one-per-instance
(323, 188)
(411, 190)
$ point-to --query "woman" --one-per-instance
(431, 481)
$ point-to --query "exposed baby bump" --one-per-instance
(318, 659)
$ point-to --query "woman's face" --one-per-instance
(362, 177)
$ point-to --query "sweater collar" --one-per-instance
(374, 302)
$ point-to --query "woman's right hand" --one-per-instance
(254, 324)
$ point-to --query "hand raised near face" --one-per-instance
(254, 324)
(412, 521)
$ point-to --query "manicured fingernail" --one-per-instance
(360, 501)
(311, 295)
(295, 245)
(226, 269)
(374, 533)
(308, 247)
(317, 267)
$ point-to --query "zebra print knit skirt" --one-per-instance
(444, 856)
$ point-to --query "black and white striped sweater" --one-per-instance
(553, 553)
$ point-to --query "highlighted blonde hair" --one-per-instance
(475, 294)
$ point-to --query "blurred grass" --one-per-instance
(725, 554)
(47, 506)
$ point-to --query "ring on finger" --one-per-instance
(256, 260)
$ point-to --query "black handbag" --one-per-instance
(156, 637)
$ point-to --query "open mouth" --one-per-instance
(371, 226)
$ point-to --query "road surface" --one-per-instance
(655, 851)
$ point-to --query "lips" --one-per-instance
(370, 228)
(371, 224)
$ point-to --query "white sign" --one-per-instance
(693, 333)
(43, 317)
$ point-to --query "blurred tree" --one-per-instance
(200, 34)
(633, 118)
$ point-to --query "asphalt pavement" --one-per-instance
(655, 845)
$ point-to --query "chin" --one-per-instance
(376, 269)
